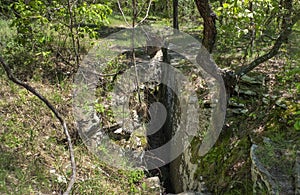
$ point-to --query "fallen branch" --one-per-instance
(61, 120)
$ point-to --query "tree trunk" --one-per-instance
(209, 17)
(175, 14)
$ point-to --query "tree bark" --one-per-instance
(175, 14)
(209, 17)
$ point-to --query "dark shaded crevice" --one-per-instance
(168, 98)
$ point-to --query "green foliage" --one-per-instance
(228, 159)
(49, 37)
(5, 9)
(6, 32)
(289, 80)
(162, 8)
(247, 26)
(34, 158)
(297, 124)
(91, 17)
(39, 14)
(99, 108)
(187, 10)
(135, 177)
(292, 114)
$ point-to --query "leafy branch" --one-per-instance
(288, 23)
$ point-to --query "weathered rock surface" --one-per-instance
(273, 170)
(183, 170)
(153, 185)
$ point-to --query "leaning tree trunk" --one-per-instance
(209, 17)
(209, 37)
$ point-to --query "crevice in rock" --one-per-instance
(163, 135)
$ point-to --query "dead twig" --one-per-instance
(147, 13)
(120, 8)
(136, 14)
(58, 116)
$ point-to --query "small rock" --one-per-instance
(153, 185)
(118, 131)
(235, 104)
(252, 80)
(239, 111)
(280, 102)
(245, 91)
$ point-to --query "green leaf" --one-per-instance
(235, 3)
(99, 108)
(297, 125)
(225, 5)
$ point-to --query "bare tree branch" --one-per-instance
(147, 13)
(142, 7)
(120, 8)
(61, 120)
